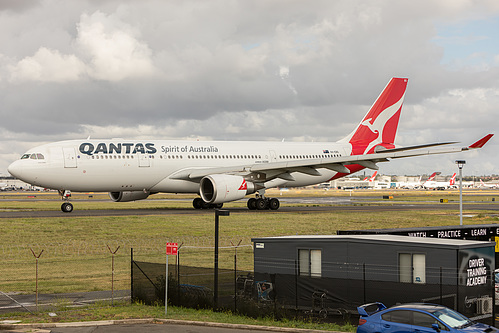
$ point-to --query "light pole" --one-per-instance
(460, 164)
(218, 213)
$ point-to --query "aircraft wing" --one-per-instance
(284, 169)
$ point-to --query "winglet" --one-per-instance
(480, 143)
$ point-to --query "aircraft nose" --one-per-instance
(15, 169)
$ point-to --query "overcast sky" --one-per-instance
(249, 70)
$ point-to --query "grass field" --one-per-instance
(75, 249)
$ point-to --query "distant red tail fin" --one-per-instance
(379, 125)
(453, 179)
(432, 176)
(373, 176)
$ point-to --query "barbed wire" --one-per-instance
(74, 247)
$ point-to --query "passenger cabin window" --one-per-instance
(310, 262)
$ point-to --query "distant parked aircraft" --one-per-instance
(430, 184)
(482, 184)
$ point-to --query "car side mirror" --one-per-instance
(435, 327)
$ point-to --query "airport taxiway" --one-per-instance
(352, 206)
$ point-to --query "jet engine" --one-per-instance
(128, 196)
(224, 188)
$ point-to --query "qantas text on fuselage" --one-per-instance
(220, 171)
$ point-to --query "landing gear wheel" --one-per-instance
(197, 203)
(251, 204)
(274, 204)
(218, 206)
(261, 204)
(67, 207)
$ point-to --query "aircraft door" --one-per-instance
(69, 157)
(144, 160)
(273, 156)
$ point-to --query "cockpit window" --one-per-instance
(36, 156)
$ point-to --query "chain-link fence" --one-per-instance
(78, 271)
(292, 294)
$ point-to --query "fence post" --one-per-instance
(235, 273)
(36, 276)
(112, 273)
(296, 285)
(441, 286)
(493, 288)
(178, 274)
(364, 281)
(235, 282)
(131, 274)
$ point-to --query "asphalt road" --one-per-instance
(148, 325)
(10, 302)
(149, 328)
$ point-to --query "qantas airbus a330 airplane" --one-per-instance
(220, 171)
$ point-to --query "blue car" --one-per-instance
(417, 317)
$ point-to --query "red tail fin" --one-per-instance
(373, 176)
(432, 176)
(453, 179)
(379, 125)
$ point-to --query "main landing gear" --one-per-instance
(199, 203)
(66, 207)
(262, 203)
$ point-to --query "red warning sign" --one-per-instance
(171, 249)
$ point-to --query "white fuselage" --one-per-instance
(156, 166)
(431, 185)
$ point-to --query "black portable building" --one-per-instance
(339, 273)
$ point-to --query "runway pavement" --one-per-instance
(320, 206)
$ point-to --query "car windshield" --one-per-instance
(452, 318)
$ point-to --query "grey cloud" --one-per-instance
(212, 70)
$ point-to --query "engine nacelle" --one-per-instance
(224, 188)
(128, 196)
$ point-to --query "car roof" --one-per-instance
(418, 306)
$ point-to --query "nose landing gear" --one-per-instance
(66, 207)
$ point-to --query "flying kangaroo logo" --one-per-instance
(378, 125)
(243, 186)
